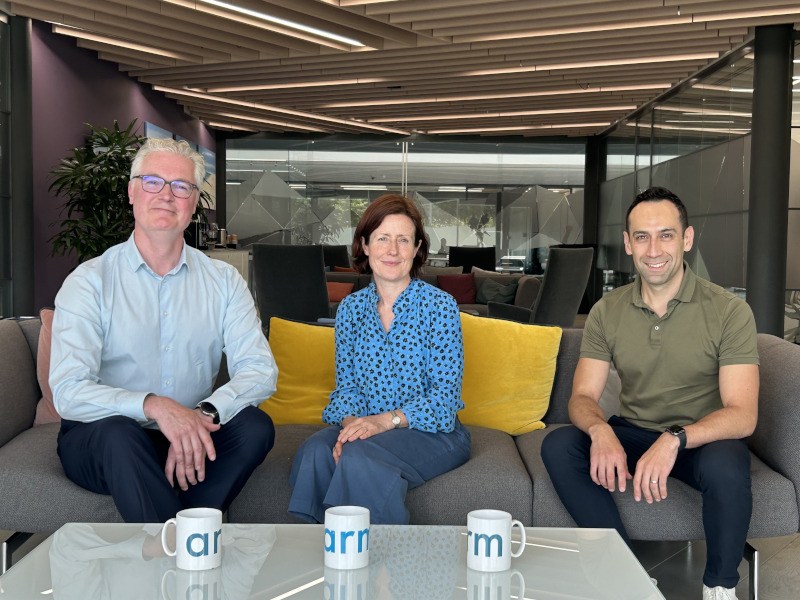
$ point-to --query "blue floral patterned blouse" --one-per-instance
(416, 367)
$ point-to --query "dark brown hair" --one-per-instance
(658, 194)
(389, 204)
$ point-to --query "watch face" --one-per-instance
(675, 429)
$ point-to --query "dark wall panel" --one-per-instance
(71, 87)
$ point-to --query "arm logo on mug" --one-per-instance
(197, 538)
(346, 542)
(489, 540)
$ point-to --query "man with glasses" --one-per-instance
(138, 335)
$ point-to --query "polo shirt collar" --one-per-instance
(685, 292)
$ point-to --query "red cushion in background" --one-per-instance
(338, 290)
(461, 287)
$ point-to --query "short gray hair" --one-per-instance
(181, 148)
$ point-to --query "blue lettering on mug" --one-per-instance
(204, 549)
(487, 539)
(362, 540)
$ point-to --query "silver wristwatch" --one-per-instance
(395, 419)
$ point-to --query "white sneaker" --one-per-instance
(719, 593)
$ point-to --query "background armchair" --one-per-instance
(467, 257)
(290, 283)
(335, 256)
(560, 296)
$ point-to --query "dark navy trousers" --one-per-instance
(375, 472)
(117, 456)
(719, 470)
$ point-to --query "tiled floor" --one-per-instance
(678, 567)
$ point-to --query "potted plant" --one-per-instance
(94, 180)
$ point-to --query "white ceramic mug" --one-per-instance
(177, 584)
(352, 584)
(489, 540)
(198, 538)
(346, 537)
(482, 585)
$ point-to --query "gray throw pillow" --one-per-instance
(492, 291)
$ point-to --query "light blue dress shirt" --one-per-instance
(120, 331)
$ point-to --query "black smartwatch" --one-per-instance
(209, 410)
(680, 433)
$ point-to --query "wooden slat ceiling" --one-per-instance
(482, 67)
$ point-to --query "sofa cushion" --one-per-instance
(494, 477)
(493, 291)
(460, 287)
(305, 357)
(508, 373)
(45, 411)
(444, 500)
(337, 291)
(36, 495)
(265, 496)
(17, 381)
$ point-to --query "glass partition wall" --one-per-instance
(697, 144)
(519, 198)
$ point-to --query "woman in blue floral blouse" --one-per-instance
(399, 364)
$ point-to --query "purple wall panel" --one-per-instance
(71, 86)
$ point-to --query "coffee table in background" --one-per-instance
(278, 562)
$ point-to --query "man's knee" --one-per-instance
(254, 429)
(724, 465)
(561, 443)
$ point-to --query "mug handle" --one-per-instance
(164, 587)
(521, 593)
(521, 542)
(167, 551)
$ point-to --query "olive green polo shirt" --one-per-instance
(669, 366)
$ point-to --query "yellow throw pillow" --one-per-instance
(508, 373)
(305, 355)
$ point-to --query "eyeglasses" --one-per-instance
(154, 184)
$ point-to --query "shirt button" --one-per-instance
(167, 348)
(168, 382)
(656, 328)
(165, 313)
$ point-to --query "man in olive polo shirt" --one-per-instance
(686, 353)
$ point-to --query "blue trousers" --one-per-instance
(719, 470)
(117, 456)
(375, 472)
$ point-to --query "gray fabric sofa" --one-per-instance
(527, 287)
(503, 472)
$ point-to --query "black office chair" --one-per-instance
(335, 256)
(290, 283)
(563, 285)
(468, 257)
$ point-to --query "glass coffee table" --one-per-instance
(276, 562)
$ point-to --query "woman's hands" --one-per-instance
(361, 428)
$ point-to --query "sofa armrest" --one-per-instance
(775, 440)
(509, 312)
(19, 390)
